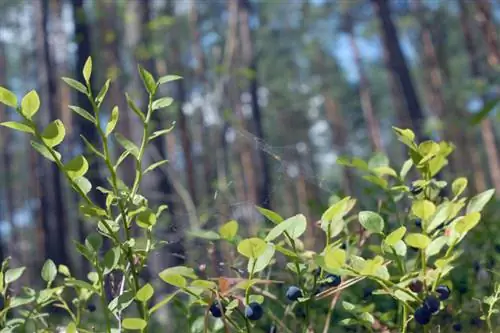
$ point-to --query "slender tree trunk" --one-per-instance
(57, 198)
(398, 65)
(365, 96)
(251, 61)
(489, 30)
(5, 147)
(487, 131)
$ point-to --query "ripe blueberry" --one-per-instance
(215, 309)
(416, 286)
(293, 293)
(476, 321)
(91, 307)
(422, 315)
(432, 304)
(254, 311)
(457, 327)
(415, 189)
(418, 223)
(333, 280)
(443, 291)
(300, 313)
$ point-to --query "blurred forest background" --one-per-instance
(274, 92)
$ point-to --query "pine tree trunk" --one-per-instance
(398, 65)
(489, 30)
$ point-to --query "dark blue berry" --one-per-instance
(476, 321)
(215, 309)
(367, 292)
(254, 311)
(432, 304)
(91, 307)
(418, 223)
(415, 189)
(316, 272)
(343, 246)
(333, 280)
(416, 286)
(457, 327)
(497, 248)
(422, 315)
(293, 293)
(300, 313)
(443, 291)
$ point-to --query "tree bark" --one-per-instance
(365, 92)
(398, 65)
(57, 198)
(251, 62)
(488, 29)
(487, 131)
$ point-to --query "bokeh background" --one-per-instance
(273, 93)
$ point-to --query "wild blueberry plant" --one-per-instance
(375, 249)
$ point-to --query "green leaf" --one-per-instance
(64, 270)
(176, 280)
(252, 247)
(75, 85)
(295, 226)
(77, 167)
(490, 106)
(82, 113)
(423, 209)
(13, 274)
(145, 293)
(371, 221)
(179, 270)
(419, 241)
(458, 186)
(229, 230)
(91, 147)
(406, 136)
(134, 108)
(406, 168)
(44, 151)
(103, 92)
(7, 97)
(270, 215)
(378, 160)
(154, 166)
(93, 242)
(49, 271)
(71, 328)
(146, 219)
(87, 69)
(113, 121)
(262, 261)
(162, 103)
(163, 302)
(168, 78)
(148, 80)
(111, 259)
(468, 222)
(334, 258)
(156, 134)
(395, 236)
(134, 324)
(435, 246)
(385, 170)
(54, 133)
(204, 234)
(23, 127)
(120, 303)
(30, 104)
(441, 215)
(83, 184)
(477, 203)
(127, 145)
(336, 211)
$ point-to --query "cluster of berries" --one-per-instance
(293, 293)
(253, 311)
(431, 303)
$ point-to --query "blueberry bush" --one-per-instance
(388, 269)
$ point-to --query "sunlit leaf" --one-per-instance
(371, 221)
(477, 203)
(18, 126)
(252, 247)
(30, 104)
(113, 121)
(419, 241)
(54, 133)
(7, 97)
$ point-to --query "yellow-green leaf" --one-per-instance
(7, 97)
(162, 103)
(423, 209)
(334, 258)
(82, 113)
(477, 203)
(271, 216)
(262, 261)
(146, 219)
(54, 133)
(252, 247)
(458, 186)
(168, 78)
(229, 230)
(176, 280)
(468, 222)
(30, 104)
(77, 167)
(145, 293)
(395, 236)
(295, 226)
(87, 69)
(18, 126)
(112, 122)
(371, 221)
(137, 324)
(419, 241)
